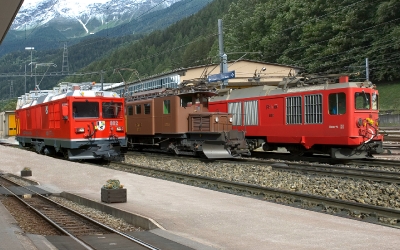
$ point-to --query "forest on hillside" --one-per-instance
(321, 36)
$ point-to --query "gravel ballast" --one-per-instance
(362, 191)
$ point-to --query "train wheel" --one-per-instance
(65, 153)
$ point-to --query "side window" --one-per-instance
(337, 104)
(167, 107)
(185, 100)
(112, 110)
(130, 110)
(204, 100)
(138, 109)
(147, 109)
(313, 109)
(374, 101)
(293, 110)
(362, 100)
(235, 108)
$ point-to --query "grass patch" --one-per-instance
(389, 94)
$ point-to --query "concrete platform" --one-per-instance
(204, 218)
(9, 140)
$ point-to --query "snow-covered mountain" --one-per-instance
(81, 17)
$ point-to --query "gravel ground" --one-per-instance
(97, 215)
(32, 223)
(27, 220)
(362, 191)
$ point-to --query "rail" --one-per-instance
(370, 213)
(54, 213)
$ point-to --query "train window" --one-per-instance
(138, 109)
(204, 100)
(85, 109)
(185, 100)
(313, 109)
(112, 109)
(374, 101)
(235, 108)
(167, 107)
(147, 108)
(293, 110)
(337, 104)
(251, 113)
(362, 100)
(130, 110)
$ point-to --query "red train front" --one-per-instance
(339, 119)
(78, 121)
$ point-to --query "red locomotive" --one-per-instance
(78, 121)
(178, 121)
(339, 119)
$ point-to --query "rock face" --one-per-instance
(77, 17)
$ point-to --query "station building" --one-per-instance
(248, 73)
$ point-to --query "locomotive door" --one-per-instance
(12, 128)
(168, 124)
(272, 112)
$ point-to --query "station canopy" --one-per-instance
(8, 11)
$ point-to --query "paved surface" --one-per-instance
(214, 219)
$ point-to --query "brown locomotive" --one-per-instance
(178, 121)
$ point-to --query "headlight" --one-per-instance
(79, 130)
(359, 122)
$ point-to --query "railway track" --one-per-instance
(391, 134)
(373, 170)
(365, 212)
(69, 222)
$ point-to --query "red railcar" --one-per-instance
(78, 121)
(339, 119)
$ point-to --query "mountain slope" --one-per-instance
(159, 19)
(81, 51)
(78, 18)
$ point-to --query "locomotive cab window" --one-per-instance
(185, 100)
(337, 104)
(112, 109)
(362, 100)
(167, 107)
(204, 101)
(374, 101)
(138, 109)
(130, 110)
(147, 108)
(85, 109)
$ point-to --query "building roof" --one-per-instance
(245, 60)
(8, 11)
(182, 70)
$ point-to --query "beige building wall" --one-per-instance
(245, 70)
